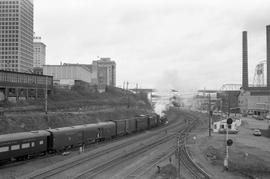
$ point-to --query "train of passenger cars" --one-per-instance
(19, 146)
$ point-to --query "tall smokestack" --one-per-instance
(245, 60)
(268, 55)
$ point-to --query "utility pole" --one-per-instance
(127, 95)
(227, 149)
(228, 143)
(178, 156)
(221, 109)
(229, 104)
(46, 98)
(210, 114)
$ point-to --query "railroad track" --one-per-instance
(59, 168)
(103, 167)
(195, 170)
(92, 172)
(192, 167)
(140, 171)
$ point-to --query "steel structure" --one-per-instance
(258, 79)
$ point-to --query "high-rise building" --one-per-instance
(39, 53)
(106, 71)
(16, 35)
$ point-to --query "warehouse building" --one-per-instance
(67, 74)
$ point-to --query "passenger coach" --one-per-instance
(22, 145)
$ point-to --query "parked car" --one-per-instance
(257, 132)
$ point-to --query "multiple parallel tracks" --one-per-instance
(57, 169)
(187, 162)
(103, 167)
(138, 172)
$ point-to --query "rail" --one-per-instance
(191, 166)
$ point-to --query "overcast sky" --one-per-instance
(181, 44)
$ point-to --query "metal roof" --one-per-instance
(63, 129)
(23, 135)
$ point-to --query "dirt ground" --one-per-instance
(249, 156)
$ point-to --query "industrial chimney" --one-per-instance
(268, 55)
(245, 60)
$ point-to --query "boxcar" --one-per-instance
(90, 134)
(142, 122)
(66, 137)
(23, 144)
(152, 121)
(131, 125)
(120, 127)
(107, 130)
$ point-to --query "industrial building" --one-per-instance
(106, 71)
(101, 73)
(16, 35)
(24, 85)
(254, 99)
(66, 74)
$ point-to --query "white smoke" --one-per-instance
(161, 101)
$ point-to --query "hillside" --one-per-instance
(72, 107)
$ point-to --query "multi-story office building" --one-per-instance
(39, 53)
(106, 71)
(16, 35)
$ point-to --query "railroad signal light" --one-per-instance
(229, 142)
(229, 121)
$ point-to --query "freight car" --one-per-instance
(65, 137)
(107, 130)
(153, 121)
(131, 125)
(142, 122)
(120, 127)
(22, 145)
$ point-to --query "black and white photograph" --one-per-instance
(134, 89)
